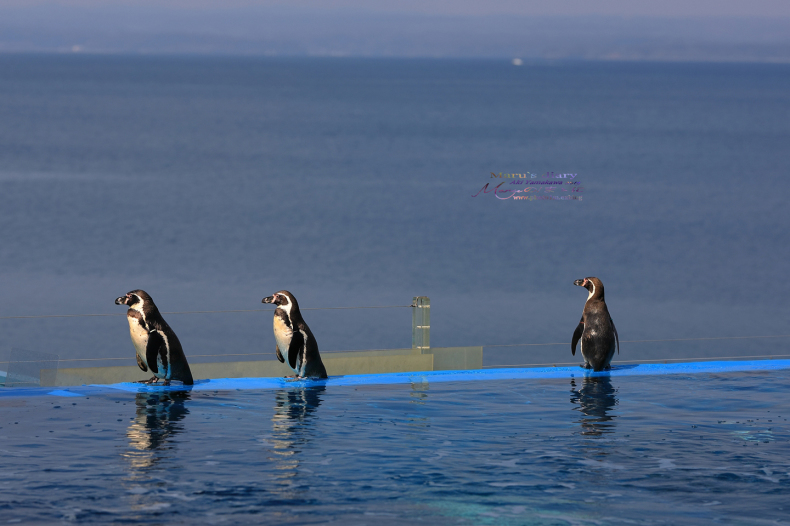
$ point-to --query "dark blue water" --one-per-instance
(213, 182)
(672, 449)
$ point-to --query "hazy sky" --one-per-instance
(668, 30)
(671, 8)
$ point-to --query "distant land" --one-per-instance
(282, 32)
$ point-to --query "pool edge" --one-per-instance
(238, 384)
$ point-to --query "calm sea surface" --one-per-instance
(213, 182)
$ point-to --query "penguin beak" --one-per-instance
(269, 299)
(121, 301)
(579, 282)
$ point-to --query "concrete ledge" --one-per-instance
(337, 364)
(411, 377)
(456, 358)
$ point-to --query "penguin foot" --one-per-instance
(586, 366)
(151, 380)
(607, 368)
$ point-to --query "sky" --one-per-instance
(670, 8)
(670, 30)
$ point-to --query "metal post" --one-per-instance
(421, 324)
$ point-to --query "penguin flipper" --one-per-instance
(296, 346)
(577, 334)
(141, 364)
(616, 337)
(156, 344)
(279, 354)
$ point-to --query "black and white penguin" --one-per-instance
(157, 346)
(596, 330)
(296, 344)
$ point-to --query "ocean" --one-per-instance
(213, 182)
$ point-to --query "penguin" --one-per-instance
(596, 329)
(157, 346)
(296, 344)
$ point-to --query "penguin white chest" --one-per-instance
(139, 337)
(282, 335)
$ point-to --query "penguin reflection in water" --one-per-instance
(596, 329)
(294, 428)
(296, 345)
(295, 407)
(151, 433)
(595, 399)
(157, 346)
(157, 418)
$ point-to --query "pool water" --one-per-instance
(663, 449)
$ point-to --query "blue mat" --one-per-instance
(230, 384)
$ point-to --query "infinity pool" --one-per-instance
(607, 449)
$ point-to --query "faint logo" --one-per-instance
(550, 186)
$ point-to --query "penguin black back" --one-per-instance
(296, 344)
(596, 329)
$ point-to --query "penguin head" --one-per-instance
(592, 284)
(284, 300)
(134, 299)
